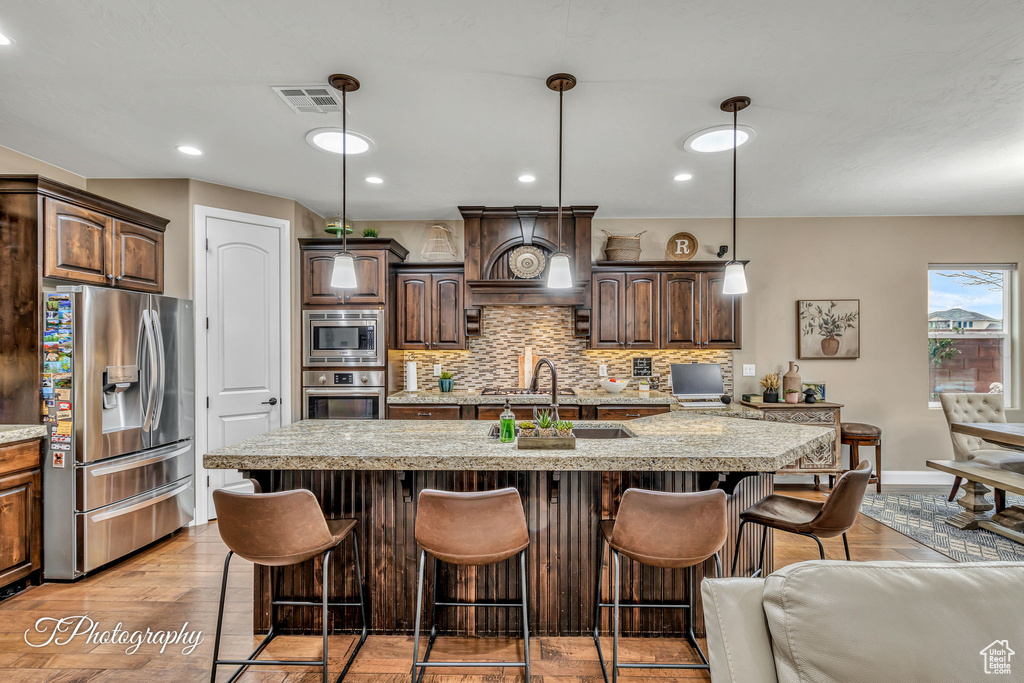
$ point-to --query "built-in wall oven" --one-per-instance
(343, 338)
(343, 395)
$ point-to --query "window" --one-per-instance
(969, 329)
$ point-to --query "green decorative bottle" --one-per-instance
(507, 430)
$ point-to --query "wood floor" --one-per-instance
(178, 581)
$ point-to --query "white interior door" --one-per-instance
(245, 327)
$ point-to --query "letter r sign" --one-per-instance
(682, 246)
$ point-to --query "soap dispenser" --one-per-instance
(507, 425)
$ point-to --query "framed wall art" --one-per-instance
(828, 329)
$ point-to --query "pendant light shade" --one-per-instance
(560, 272)
(344, 275)
(559, 266)
(735, 279)
(735, 274)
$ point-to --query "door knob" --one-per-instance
(272, 402)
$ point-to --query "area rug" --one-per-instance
(921, 517)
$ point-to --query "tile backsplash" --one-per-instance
(492, 359)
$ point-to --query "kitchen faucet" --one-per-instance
(554, 385)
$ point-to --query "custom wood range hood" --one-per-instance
(493, 234)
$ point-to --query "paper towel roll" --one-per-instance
(410, 376)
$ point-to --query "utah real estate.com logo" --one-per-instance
(997, 657)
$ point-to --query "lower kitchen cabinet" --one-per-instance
(525, 412)
(630, 412)
(21, 528)
(424, 412)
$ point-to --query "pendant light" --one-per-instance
(735, 275)
(344, 274)
(559, 267)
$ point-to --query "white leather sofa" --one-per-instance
(865, 622)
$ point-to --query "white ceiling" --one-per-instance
(877, 107)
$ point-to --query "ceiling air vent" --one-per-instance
(309, 99)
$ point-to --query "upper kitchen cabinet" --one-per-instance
(95, 241)
(663, 305)
(373, 258)
(430, 308)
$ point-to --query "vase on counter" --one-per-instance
(770, 397)
(792, 396)
(446, 385)
(791, 380)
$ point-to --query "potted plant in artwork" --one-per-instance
(544, 424)
(770, 383)
(446, 382)
(563, 428)
(527, 429)
(792, 396)
(827, 323)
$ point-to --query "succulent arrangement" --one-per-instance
(527, 428)
(370, 232)
(447, 375)
(445, 381)
(563, 427)
(544, 423)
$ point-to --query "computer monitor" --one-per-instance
(697, 381)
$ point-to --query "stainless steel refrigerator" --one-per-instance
(118, 389)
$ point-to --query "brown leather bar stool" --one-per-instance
(857, 434)
(469, 529)
(275, 530)
(811, 518)
(660, 529)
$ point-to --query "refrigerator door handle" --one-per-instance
(119, 511)
(161, 367)
(147, 324)
(112, 469)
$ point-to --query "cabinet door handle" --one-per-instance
(423, 414)
(632, 414)
(119, 278)
(110, 276)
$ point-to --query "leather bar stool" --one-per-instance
(857, 434)
(659, 529)
(469, 529)
(812, 518)
(275, 530)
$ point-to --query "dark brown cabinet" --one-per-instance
(430, 311)
(424, 412)
(630, 412)
(21, 530)
(663, 305)
(371, 266)
(525, 412)
(138, 257)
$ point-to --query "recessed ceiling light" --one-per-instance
(376, 180)
(717, 139)
(329, 140)
(682, 177)
(190, 150)
(527, 178)
(6, 40)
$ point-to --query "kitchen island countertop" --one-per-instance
(674, 441)
(15, 433)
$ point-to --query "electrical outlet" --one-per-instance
(602, 370)
(437, 369)
(749, 371)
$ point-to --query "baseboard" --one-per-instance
(893, 477)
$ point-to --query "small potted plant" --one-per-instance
(447, 383)
(563, 428)
(645, 385)
(544, 424)
(792, 396)
(370, 232)
(527, 429)
(770, 382)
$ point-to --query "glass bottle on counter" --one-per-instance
(507, 424)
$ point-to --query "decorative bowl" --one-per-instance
(613, 386)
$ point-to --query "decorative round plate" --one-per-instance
(527, 261)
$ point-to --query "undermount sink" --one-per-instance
(586, 433)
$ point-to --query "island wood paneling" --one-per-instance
(563, 510)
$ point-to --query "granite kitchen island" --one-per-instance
(373, 471)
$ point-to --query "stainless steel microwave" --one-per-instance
(343, 338)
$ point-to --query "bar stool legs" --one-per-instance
(764, 543)
(616, 605)
(419, 666)
(324, 603)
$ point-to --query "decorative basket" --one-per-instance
(622, 247)
(439, 246)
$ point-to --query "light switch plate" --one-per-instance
(602, 370)
(437, 369)
(748, 370)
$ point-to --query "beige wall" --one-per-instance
(12, 163)
(881, 261)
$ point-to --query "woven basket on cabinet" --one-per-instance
(622, 247)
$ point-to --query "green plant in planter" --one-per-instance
(446, 381)
(563, 427)
(527, 428)
(544, 423)
(370, 232)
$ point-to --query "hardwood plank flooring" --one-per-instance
(178, 581)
